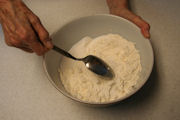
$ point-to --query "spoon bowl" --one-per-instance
(92, 62)
(98, 66)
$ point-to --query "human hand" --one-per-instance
(120, 8)
(22, 28)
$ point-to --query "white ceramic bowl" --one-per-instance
(94, 26)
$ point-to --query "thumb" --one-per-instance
(142, 24)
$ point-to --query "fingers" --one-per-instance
(38, 27)
(20, 31)
(40, 30)
(127, 14)
(37, 47)
(42, 42)
(26, 49)
(42, 35)
(143, 25)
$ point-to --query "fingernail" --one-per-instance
(49, 44)
(147, 34)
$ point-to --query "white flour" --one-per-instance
(120, 54)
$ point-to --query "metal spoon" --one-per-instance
(92, 62)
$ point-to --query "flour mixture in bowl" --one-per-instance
(120, 54)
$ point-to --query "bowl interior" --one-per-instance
(94, 26)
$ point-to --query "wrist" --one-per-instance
(117, 4)
(5, 2)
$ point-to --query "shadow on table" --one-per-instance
(144, 94)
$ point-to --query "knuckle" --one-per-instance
(22, 33)
(40, 52)
(138, 17)
(44, 35)
(35, 19)
(23, 36)
(147, 26)
(15, 42)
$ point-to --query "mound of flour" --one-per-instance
(120, 54)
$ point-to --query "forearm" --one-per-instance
(120, 8)
(113, 4)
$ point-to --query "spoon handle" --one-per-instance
(63, 52)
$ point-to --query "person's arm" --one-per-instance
(22, 28)
(120, 8)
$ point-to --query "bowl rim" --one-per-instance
(100, 103)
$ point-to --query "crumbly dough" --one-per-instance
(120, 54)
